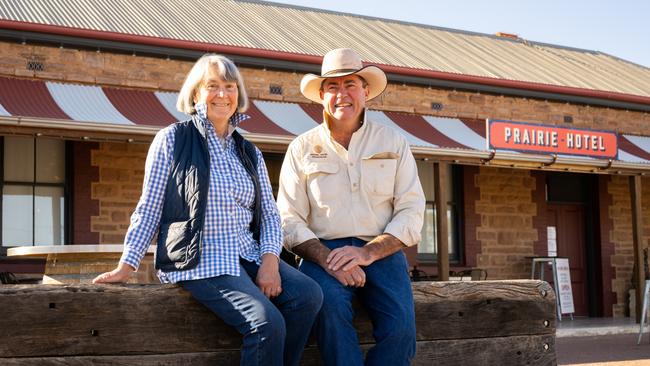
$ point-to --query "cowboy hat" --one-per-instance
(342, 62)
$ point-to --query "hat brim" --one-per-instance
(374, 76)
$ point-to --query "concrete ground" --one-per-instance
(606, 342)
(609, 350)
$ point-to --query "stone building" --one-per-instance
(85, 86)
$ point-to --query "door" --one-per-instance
(569, 222)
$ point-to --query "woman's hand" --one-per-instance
(120, 274)
(268, 276)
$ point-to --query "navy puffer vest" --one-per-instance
(183, 213)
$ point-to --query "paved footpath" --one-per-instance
(605, 350)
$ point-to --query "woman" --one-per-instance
(207, 196)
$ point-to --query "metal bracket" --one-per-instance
(487, 160)
(553, 160)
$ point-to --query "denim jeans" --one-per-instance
(275, 331)
(387, 297)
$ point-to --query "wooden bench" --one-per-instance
(458, 323)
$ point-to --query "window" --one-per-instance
(33, 191)
(428, 248)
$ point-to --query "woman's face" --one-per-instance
(220, 96)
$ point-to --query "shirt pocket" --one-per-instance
(378, 176)
(322, 181)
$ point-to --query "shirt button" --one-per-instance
(354, 184)
(351, 164)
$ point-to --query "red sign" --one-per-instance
(550, 139)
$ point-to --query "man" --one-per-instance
(351, 200)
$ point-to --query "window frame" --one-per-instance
(65, 186)
(457, 205)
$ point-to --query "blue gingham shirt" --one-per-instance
(226, 232)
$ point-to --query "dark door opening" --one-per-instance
(572, 208)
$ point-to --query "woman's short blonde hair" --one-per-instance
(226, 70)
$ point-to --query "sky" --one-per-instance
(619, 28)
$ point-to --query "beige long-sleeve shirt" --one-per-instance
(371, 188)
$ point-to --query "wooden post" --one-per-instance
(441, 177)
(637, 235)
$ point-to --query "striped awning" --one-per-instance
(120, 109)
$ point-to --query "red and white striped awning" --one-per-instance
(121, 109)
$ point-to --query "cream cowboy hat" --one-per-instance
(342, 62)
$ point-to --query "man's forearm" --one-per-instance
(382, 246)
(313, 250)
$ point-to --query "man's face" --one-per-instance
(344, 98)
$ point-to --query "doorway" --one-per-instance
(572, 207)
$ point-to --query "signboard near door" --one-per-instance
(562, 273)
(563, 287)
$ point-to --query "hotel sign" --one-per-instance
(536, 138)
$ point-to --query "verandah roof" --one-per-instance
(120, 110)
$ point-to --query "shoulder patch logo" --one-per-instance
(318, 152)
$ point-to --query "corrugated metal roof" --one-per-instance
(299, 30)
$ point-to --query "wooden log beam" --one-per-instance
(480, 309)
(48, 323)
(503, 351)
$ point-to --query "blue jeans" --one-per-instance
(387, 297)
(275, 331)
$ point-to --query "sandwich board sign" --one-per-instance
(563, 285)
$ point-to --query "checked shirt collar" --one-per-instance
(234, 120)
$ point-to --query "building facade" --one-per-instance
(77, 112)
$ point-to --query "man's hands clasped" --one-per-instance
(345, 265)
